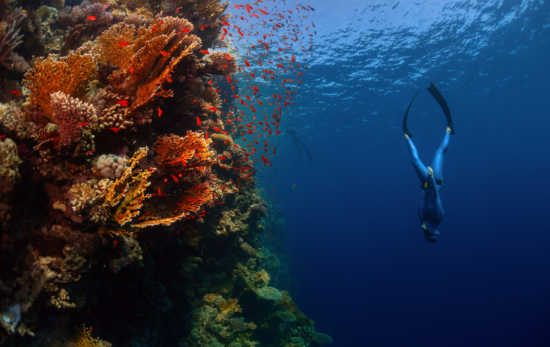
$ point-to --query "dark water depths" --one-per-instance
(366, 275)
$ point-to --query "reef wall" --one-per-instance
(118, 220)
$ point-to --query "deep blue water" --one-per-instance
(366, 275)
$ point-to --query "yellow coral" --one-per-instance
(69, 75)
(190, 201)
(126, 195)
(229, 305)
(262, 276)
(83, 338)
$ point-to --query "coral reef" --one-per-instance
(125, 202)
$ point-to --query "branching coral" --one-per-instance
(166, 213)
(85, 193)
(123, 46)
(124, 198)
(10, 37)
(69, 75)
(135, 52)
(70, 114)
(224, 62)
(175, 154)
(83, 338)
(79, 14)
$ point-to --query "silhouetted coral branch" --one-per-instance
(10, 37)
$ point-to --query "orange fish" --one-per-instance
(197, 155)
(116, 130)
(91, 17)
(131, 69)
(123, 43)
(175, 178)
(225, 23)
(16, 92)
(198, 121)
(213, 108)
(204, 51)
(123, 103)
(163, 53)
(90, 152)
(177, 9)
(217, 129)
(186, 30)
(246, 62)
(160, 112)
(115, 243)
(154, 29)
(84, 124)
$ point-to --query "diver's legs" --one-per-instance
(307, 151)
(437, 162)
(419, 167)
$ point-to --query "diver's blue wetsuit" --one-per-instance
(431, 177)
(431, 214)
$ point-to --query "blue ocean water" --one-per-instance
(366, 275)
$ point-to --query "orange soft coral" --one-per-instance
(189, 155)
(69, 75)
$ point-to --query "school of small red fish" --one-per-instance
(274, 42)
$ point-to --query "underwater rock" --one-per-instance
(297, 341)
(58, 4)
(270, 293)
(285, 316)
(129, 253)
(322, 339)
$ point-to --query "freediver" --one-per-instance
(431, 177)
(294, 134)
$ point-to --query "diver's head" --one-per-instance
(431, 238)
